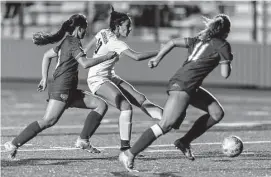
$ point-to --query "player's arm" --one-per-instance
(161, 54)
(89, 62)
(90, 44)
(139, 56)
(226, 58)
(46, 61)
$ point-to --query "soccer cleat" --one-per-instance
(127, 162)
(85, 145)
(11, 148)
(185, 148)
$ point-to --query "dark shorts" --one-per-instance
(177, 85)
(67, 96)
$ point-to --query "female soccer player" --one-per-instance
(63, 92)
(103, 81)
(206, 52)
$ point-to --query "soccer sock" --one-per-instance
(146, 139)
(27, 134)
(200, 126)
(92, 122)
(152, 110)
(125, 127)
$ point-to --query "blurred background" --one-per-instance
(154, 22)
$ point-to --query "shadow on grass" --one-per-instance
(142, 173)
(49, 161)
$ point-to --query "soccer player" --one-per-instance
(206, 51)
(104, 82)
(63, 92)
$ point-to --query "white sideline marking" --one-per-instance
(24, 145)
(117, 147)
(139, 124)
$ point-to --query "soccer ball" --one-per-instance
(232, 146)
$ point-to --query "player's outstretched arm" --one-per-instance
(91, 43)
(89, 62)
(139, 56)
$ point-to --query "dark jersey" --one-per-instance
(202, 59)
(65, 76)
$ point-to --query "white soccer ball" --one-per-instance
(232, 146)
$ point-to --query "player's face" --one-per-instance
(125, 28)
(81, 32)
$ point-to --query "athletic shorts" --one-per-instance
(95, 82)
(67, 96)
(177, 85)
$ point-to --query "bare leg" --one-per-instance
(140, 100)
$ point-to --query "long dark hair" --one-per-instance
(218, 27)
(44, 38)
(117, 18)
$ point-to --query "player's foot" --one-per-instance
(85, 145)
(12, 149)
(127, 161)
(185, 148)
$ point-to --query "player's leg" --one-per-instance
(176, 104)
(86, 100)
(113, 96)
(54, 110)
(140, 100)
(205, 101)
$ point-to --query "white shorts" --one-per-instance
(95, 82)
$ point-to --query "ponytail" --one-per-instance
(218, 27)
(44, 38)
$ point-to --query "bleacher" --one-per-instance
(49, 15)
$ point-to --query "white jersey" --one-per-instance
(106, 41)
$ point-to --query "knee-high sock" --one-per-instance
(27, 134)
(125, 127)
(152, 110)
(92, 122)
(146, 139)
(200, 126)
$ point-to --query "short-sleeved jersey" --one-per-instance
(106, 41)
(202, 59)
(65, 76)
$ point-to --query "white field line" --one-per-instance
(139, 124)
(24, 145)
(117, 147)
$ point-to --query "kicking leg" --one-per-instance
(140, 100)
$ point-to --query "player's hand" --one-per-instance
(111, 55)
(42, 85)
(153, 62)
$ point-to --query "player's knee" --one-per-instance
(121, 103)
(48, 122)
(166, 126)
(217, 114)
(102, 107)
(125, 105)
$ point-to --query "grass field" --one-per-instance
(52, 152)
